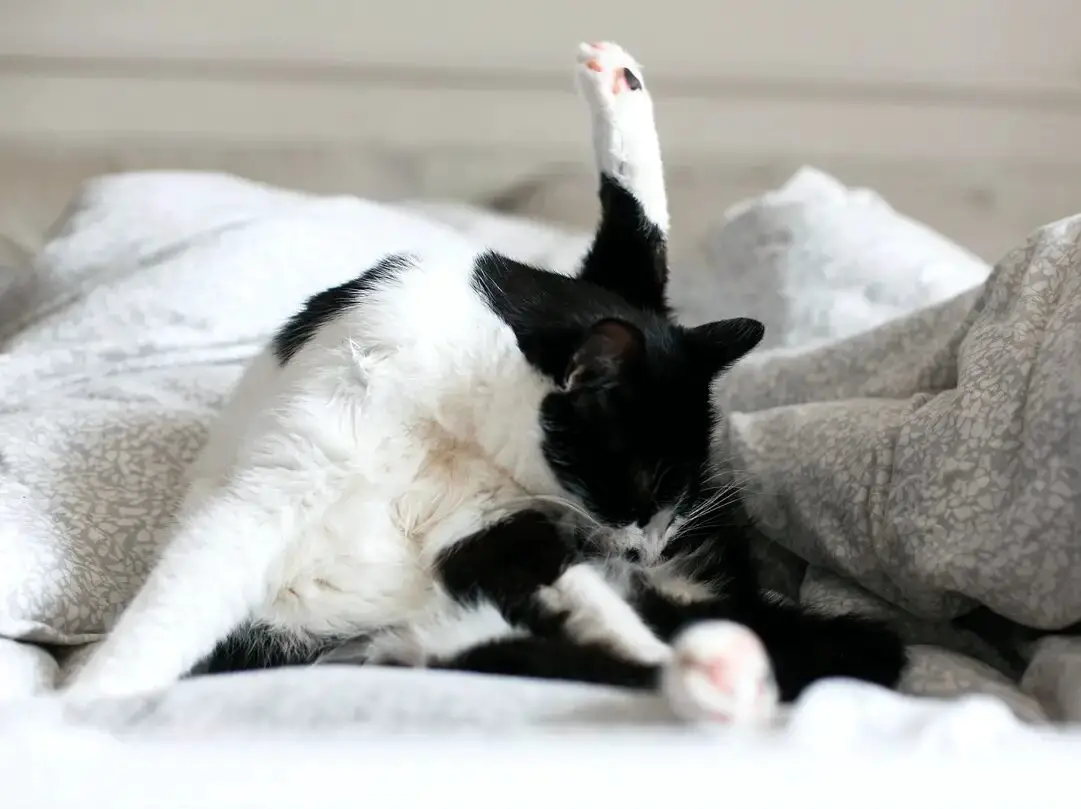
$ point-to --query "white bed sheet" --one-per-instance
(408, 738)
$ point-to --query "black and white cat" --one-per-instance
(477, 464)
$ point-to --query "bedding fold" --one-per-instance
(935, 460)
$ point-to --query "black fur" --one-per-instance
(255, 646)
(521, 556)
(553, 659)
(323, 307)
(629, 254)
(629, 428)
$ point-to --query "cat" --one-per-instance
(477, 464)
(736, 651)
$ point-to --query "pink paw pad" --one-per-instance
(720, 672)
(607, 57)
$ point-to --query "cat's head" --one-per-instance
(628, 434)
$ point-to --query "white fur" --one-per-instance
(625, 142)
(443, 635)
(719, 673)
(599, 614)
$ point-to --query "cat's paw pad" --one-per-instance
(605, 71)
(720, 673)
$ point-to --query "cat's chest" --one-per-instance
(417, 443)
(367, 559)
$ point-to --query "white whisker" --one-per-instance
(562, 502)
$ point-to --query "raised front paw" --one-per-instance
(720, 673)
(625, 142)
(606, 71)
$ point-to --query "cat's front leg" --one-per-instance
(529, 570)
(629, 255)
(598, 614)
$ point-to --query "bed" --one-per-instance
(909, 426)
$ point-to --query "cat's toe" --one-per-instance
(719, 672)
(605, 70)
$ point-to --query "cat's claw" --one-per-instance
(720, 673)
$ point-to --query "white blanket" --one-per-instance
(408, 738)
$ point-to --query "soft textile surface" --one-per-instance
(407, 739)
(138, 316)
(817, 261)
(936, 460)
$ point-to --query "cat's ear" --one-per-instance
(610, 347)
(721, 343)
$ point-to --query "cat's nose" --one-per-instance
(632, 555)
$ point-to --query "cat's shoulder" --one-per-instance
(451, 290)
(399, 279)
(323, 307)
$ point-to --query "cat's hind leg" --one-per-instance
(806, 646)
(629, 254)
(553, 659)
(212, 574)
(257, 646)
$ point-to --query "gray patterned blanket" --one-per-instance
(933, 464)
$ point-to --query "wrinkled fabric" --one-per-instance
(935, 461)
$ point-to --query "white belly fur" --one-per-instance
(368, 561)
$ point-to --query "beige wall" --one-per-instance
(974, 102)
(972, 78)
